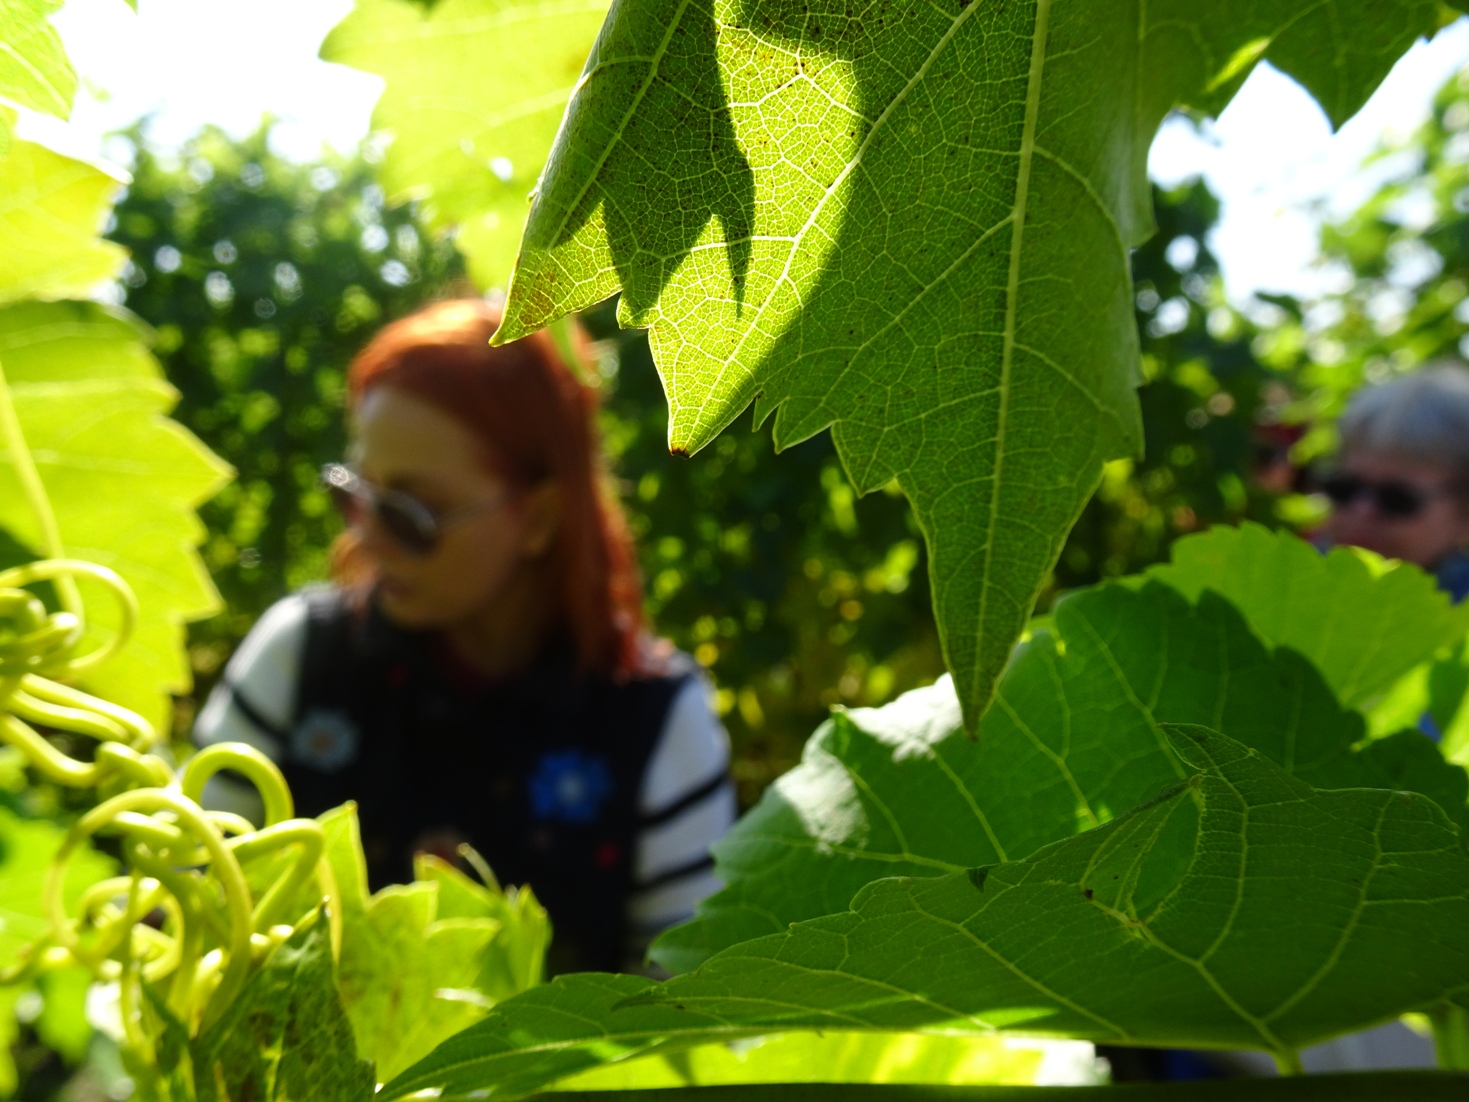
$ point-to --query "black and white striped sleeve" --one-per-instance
(686, 804)
(255, 699)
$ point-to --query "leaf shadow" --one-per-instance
(673, 159)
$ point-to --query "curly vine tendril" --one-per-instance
(185, 920)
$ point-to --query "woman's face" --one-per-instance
(401, 442)
(1439, 526)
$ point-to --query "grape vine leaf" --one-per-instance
(1448, 702)
(1364, 623)
(474, 92)
(516, 959)
(52, 208)
(123, 481)
(1072, 739)
(34, 70)
(1239, 908)
(419, 962)
(398, 962)
(908, 221)
(285, 1036)
(852, 1058)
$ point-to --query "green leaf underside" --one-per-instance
(1072, 740)
(395, 959)
(475, 90)
(1362, 623)
(123, 481)
(1240, 908)
(420, 962)
(34, 70)
(908, 221)
(515, 958)
(286, 1035)
(52, 208)
(831, 1058)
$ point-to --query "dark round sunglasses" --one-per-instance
(412, 525)
(1393, 499)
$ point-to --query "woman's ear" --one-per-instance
(541, 509)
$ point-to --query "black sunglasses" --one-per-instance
(1393, 499)
(412, 524)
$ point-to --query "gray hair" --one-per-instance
(1422, 417)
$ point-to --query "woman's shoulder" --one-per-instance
(276, 640)
(691, 749)
(254, 699)
(659, 685)
(263, 677)
(658, 661)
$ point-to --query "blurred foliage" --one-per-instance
(1400, 262)
(1212, 450)
(264, 277)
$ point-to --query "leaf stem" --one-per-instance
(1451, 1037)
(34, 489)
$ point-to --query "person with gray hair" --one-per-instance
(1401, 485)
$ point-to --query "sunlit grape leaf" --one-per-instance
(1072, 739)
(909, 222)
(475, 91)
(34, 71)
(407, 978)
(1239, 908)
(1362, 622)
(421, 961)
(52, 209)
(344, 854)
(516, 958)
(285, 1037)
(852, 1058)
(123, 481)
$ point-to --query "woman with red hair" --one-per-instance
(481, 673)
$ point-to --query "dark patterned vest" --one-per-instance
(540, 773)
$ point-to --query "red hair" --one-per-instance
(537, 422)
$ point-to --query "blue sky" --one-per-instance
(1271, 156)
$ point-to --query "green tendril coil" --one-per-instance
(185, 920)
